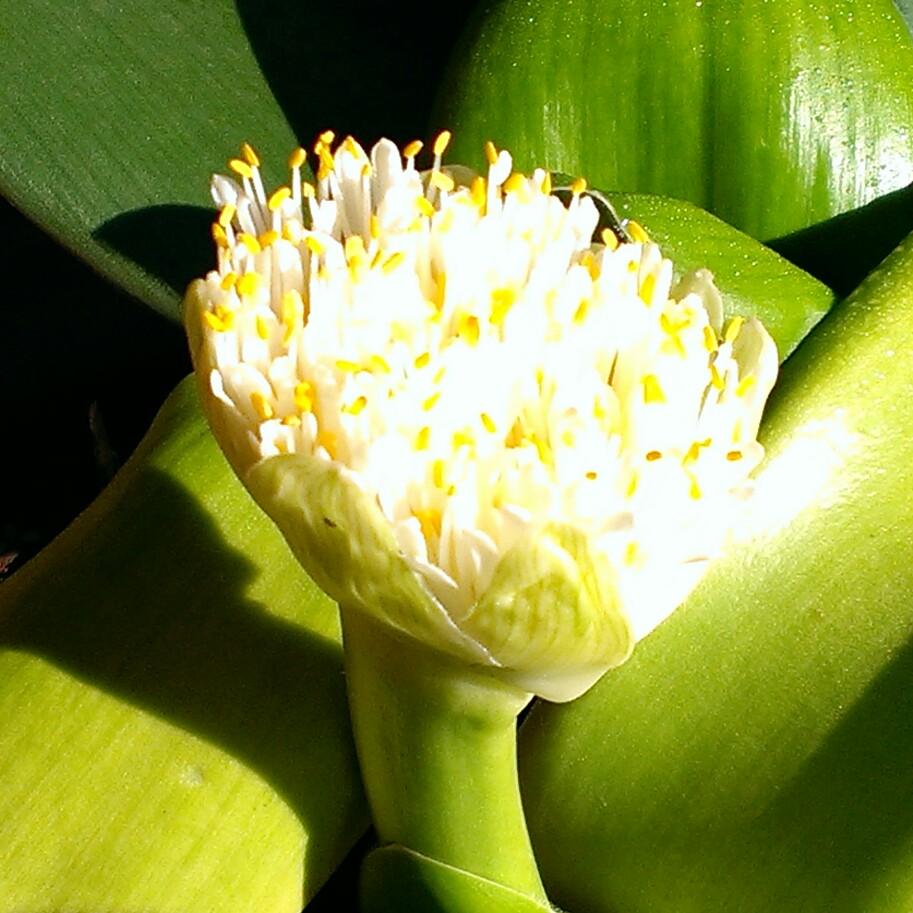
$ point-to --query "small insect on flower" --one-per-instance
(506, 440)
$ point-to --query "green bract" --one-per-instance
(546, 622)
(773, 114)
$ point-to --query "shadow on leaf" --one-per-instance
(157, 613)
(172, 242)
(842, 251)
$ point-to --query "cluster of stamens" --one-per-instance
(479, 363)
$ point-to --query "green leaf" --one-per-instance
(173, 724)
(772, 114)
(119, 114)
(753, 754)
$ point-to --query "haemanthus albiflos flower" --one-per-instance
(509, 441)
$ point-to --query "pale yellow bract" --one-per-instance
(482, 373)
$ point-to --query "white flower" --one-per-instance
(510, 442)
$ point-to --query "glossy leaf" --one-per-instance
(173, 724)
(754, 753)
(772, 114)
(119, 114)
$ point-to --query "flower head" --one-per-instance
(511, 442)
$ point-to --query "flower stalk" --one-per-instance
(436, 741)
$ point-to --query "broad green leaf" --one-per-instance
(754, 754)
(115, 115)
(772, 114)
(173, 726)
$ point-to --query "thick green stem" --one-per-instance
(436, 740)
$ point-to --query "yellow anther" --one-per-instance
(733, 329)
(314, 245)
(515, 183)
(440, 292)
(250, 242)
(394, 260)
(477, 192)
(647, 287)
(411, 150)
(249, 283)
(581, 312)
(241, 168)
(439, 374)
(428, 404)
(430, 522)
(291, 421)
(327, 440)
(734, 455)
(651, 456)
(653, 392)
(462, 439)
(694, 490)
(441, 142)
(262, 406)
(326, 138)
(610, 239)
(262, 328)
(278, 197)
(221, 320)
(226, 214)
(592, 475)
(378, 364)
(442, 181)
(249, 155)
(746, 384)
(637, 232)
(422, 438)
(268, 237)
(218, 235)
(716, 379)
(422, 360)
(374, 226)
(567, 438)
(307, 190)
(349, 367)
(542, 449)
(491, 152)
(304, 396)
(632, 553)
(502, 300)
(228, 281)
(351, 146)
(327, 163)
(424, 206)
(578, 186)
(468, 328)
(632, 484)
(292, 307)
(354, 247)
(710, 341)
(437, 474)
(691, 454)
(488, 423)
(355, 407)
(297, 158)
(546, 186)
